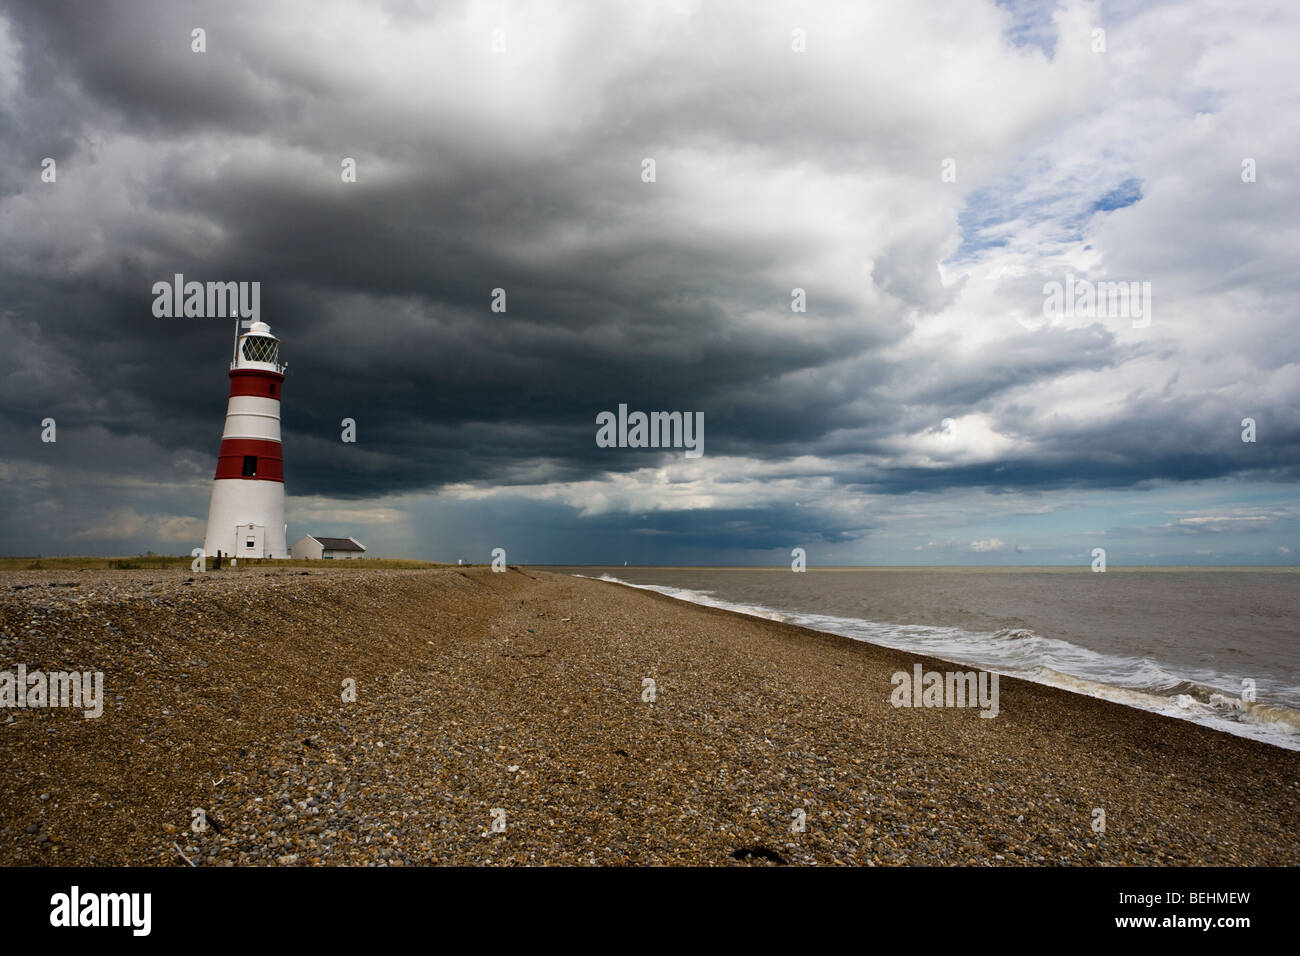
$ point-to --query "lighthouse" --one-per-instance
(246, 515)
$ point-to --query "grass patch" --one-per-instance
(161, 561)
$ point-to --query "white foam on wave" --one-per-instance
(699, 597)
(1199, 696)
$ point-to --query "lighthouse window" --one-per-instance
(250, 466)
(260, 348)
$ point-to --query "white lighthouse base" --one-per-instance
(246, 519)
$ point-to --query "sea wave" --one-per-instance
(1209, 698)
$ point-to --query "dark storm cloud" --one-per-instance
(419, 359)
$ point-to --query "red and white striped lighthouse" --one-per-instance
(246, 516)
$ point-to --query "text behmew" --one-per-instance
(656, 430)
(55, 689)
(211, 300)
(953, 689)
(103, 909)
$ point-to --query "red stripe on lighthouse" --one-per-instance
(268, 467)
(256, 382)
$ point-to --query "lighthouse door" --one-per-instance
(250, 541)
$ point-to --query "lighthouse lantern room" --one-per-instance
(246, 514)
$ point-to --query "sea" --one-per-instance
(1216, 646)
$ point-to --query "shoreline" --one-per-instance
(974, 568)
(1271, 723)
(523, 692)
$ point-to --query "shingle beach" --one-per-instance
(484, 699)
